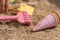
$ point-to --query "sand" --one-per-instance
(15, 31)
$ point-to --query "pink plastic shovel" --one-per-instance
(21, 17)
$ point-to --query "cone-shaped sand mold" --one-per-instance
(49, 21)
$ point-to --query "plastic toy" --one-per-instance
(25, 7)
(4, 6)
(51, 20)
(21, 17)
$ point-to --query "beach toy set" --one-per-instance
(24, 13)
(22, 7)
(22, 16)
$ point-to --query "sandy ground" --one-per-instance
(15, 31)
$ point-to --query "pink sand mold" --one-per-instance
(47, 22)
(21, 17)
